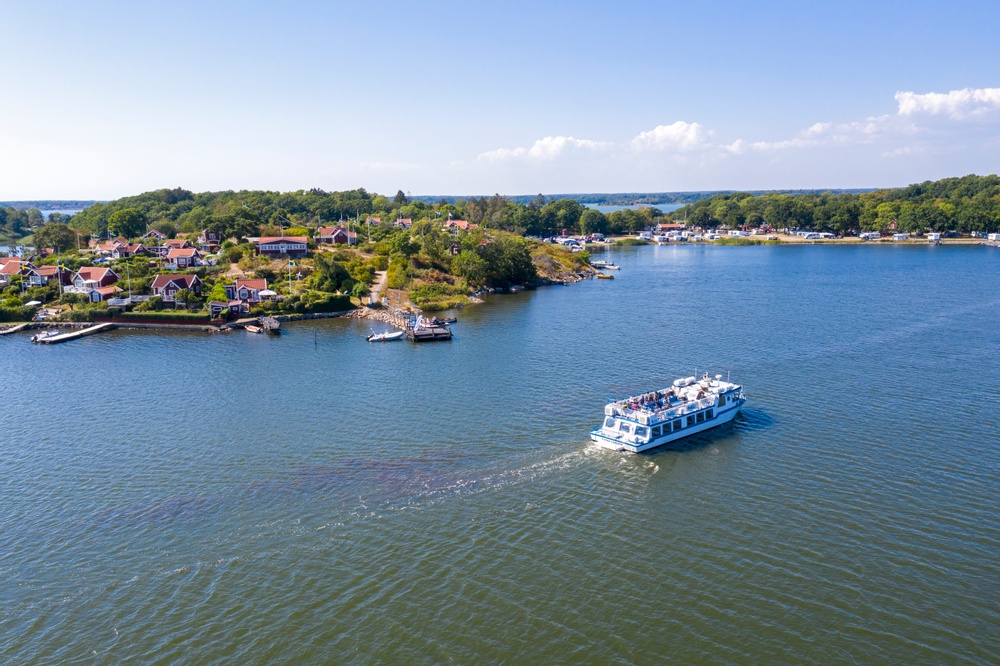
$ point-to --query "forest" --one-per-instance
(966, 204)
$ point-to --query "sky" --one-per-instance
(108, 99)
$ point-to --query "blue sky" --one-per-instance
(106, 99)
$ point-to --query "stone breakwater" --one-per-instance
(394, 318)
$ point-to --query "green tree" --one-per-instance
(127, 222)
(593, 221)
(57, 236)
(469, 265)
(330, 275)
(218, 292)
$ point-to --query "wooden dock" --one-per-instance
(428, 334)
(271, 325)
(66, 337)
(14, 329)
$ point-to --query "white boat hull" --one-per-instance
(614, 444)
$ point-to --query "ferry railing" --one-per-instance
(644, 416)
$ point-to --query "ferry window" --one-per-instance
(642, 432)
(609, 422)
(657, 431)
(677, 424)
(690, 420)
(709, 414)
(722, 400)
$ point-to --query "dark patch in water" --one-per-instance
(182, 508)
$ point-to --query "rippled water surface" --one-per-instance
(180, 497)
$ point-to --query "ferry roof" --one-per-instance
(683, 396)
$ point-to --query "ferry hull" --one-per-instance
(617, 445)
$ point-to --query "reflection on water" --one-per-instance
(185, 497)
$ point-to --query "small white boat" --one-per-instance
(254, 329)
(385, 337)
(44, 335)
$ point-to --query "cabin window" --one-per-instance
(642, 432)
(657, 431)
(722, 400)
(701, 417)
(677, 424)
(609, 422)
(690, 420)
(709, 414)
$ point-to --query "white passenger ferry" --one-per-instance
(686, 408)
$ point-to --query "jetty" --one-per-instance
(14, 329)
(428, 334)
(66, 337)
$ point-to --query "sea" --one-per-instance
(663, 207)
(182, 497)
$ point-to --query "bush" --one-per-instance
(328, 303)
(165, 317)
(628, 242)
(17, 314)
(746, 241)
(380, 262)
(396, 277)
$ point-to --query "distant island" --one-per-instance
(638, 198)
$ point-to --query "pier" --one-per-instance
(428, 334)
(66, 337)
(14, 329)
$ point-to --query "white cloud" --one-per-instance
(546, 149)
(956, 104)
(680, 136)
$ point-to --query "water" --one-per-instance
(664, 207)
(62, 211)
(181, 497)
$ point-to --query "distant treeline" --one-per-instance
(246, 213)
(969, 203)
(966, 204)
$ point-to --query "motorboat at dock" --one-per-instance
(44, 335)
(423, 330)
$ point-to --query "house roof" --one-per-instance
(46, 271)
(94, 273)
(252, 283)
(179, 252)
(13, 266)
(107, 291)
(288, 239)
(333, 231)
(176, 242)
(182, 281)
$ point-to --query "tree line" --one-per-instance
(966, 204)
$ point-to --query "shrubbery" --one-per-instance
(23, 313)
